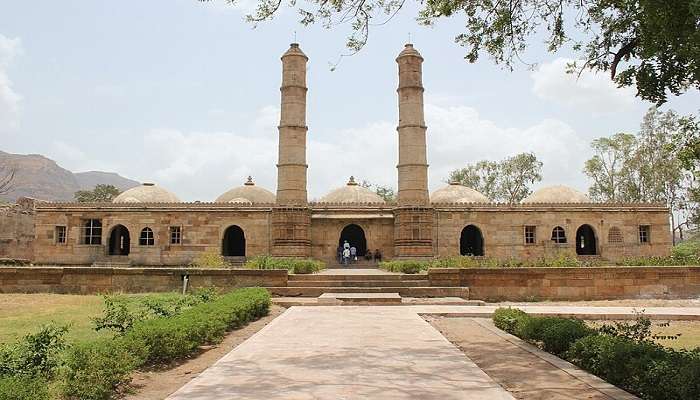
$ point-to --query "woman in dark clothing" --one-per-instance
(377, 255)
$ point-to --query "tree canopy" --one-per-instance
(650, 44)
(508, 181)
(101, 193)
(385, 192)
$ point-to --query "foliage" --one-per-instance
(209, 259)
(23, 387)
(101, 193)
(557, 334)
(652, 45)
(293, 265)
(688, 248)
(36, 355)
(562, 260)
(672, 260)
(404, 266)
(509, 319)
(506, 181)
(385, 192)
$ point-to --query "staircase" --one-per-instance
(405, 285)
(359, 264)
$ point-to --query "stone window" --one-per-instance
(92, 232)
(614, 235)
(60, 234)
(558, 235)
(146, 238)
(175, 235)
(644, 233)
(530, 234)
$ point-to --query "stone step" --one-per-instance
(358, 283)
(359, 298)
(352, 266)
(352, 277)
(412, 291)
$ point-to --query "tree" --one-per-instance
(101, 193)
(651, 44)
(385, 192)
(607, 165)
(507, 181)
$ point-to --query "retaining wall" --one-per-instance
(600, 283)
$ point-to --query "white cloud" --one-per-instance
(592, 92)
(9, 99)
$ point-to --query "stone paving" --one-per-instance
(344, 353)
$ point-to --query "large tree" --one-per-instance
(508, 181)
(651, 44)
(385, 192)
(101, 193)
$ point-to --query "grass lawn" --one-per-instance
(21, 314)
(689, 330)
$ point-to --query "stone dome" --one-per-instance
(248, 193)
(557, 194)
(352, 193)
(409, 50)
(457, 193)
(146, 193)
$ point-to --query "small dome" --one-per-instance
(146, 193)
(294, 50)
(248, 193)
(409, 50)
(457, 193)
(352, 193)
(557, 194)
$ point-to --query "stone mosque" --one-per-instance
(148, 225)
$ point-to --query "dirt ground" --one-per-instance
(158, 384)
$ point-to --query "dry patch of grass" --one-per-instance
(21, 314)
(689, 334)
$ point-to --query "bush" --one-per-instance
(23, 387)
(509, 319)
(688, 248)
(404, 266)
(558, 334)
(36, 355)
(209, 259)
(93, 370)
(293, 265)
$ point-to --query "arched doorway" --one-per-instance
(119, 241)
(355, 235)
(233, 244)
(471, 243)
(585, 241)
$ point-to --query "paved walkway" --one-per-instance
(344, 353)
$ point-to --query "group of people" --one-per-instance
(347, 254)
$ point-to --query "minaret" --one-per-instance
(291, 166)
(413, 165)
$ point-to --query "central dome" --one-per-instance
(248, 193)
(454, 192)
(557, 194)
(146, 193)
(352, 193)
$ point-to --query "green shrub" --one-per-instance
(404, 266)
(688, 248)
(93, 370)
(37, 354)
(293, 265)
(509, 319)
(209, 259)
(558, 334)
(23, 387)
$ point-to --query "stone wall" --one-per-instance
(17, 229)
(86, 280)
(600, 283)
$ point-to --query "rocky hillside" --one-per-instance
(41, 178)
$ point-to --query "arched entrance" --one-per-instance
(233, 244)
(585, 241)
(355, 235)
(119, 241)
(471, 243)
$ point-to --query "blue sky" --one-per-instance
(186, 94)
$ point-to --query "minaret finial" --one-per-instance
(249, 182)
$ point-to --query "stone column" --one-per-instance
(291, 217)
(291, 166)
(413, 165)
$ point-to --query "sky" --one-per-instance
(186, 94)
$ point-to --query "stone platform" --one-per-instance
(361, 298)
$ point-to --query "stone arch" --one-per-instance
(233, 242)
(558, 235)
(119, 241)
(355, 235)
(471, 241)
(147, 237)
(586, 241)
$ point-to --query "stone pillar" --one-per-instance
(291, 166)
(291, 217)
(413, 165)
(413, 218)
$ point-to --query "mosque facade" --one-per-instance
(148, 225)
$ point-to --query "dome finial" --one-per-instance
(352, 182)
(249, 182)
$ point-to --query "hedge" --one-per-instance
(94, 370)
(293, 265)
(23, 387)
(404, 266)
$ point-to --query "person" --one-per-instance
(377, 255)
(346, 245)
(353, 254)
(346, 256)
(368, 255)
(339, 253)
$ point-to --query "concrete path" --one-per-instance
(344, 353)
